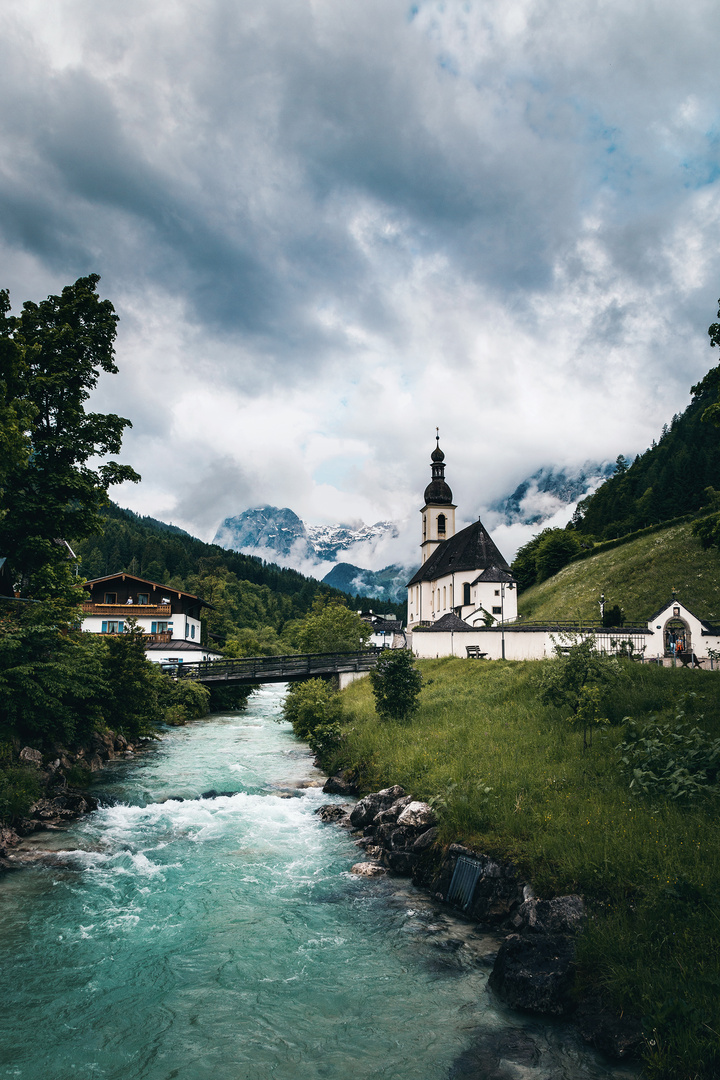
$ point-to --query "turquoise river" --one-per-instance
(224, 938)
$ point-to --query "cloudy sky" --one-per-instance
(330, 225)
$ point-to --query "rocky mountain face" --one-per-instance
(386, 584)
(282, 532)
(547, 491)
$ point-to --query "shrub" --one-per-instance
(670, 759)
(396, 685)
(19, 789)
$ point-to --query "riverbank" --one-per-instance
(508, 779)
(49, 790)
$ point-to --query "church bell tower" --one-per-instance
(438, 513)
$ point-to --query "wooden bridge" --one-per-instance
(269, 669)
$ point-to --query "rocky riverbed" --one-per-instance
(534, 967)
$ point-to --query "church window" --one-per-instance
(497, 592)
(466, 593)
(444, 597)
(497, 611)
(424, 526)
(441, 524)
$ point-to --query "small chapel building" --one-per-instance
(462, 573)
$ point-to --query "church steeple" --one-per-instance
(438, 513)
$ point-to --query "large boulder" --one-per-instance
(561, 915)
(535, 973)
(368, 807)
(339, 785)
(393, 812)
(425, 840)
(417, 815)
(498, 890)
(30, 756)
(619, 1037)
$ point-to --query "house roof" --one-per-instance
(178, 645)
(470, 549)
(143, 581)
(448, 622)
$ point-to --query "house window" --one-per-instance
(113, 626)
(192, 631)
(143, 598)
(441, 524)
(110, 598)
(158, 627)
(497, 611)
(466, 593)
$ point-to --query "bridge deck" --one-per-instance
(266, 669)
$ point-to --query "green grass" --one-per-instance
(650, 870)
(639, 576)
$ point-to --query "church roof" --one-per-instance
(470, 549)
(493, 573)
(448, 622)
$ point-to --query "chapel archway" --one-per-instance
(676, 636)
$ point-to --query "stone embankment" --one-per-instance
(60, 800)
(534, 969)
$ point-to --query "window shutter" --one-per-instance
(121, 625)
(153, 628)
(104, 627)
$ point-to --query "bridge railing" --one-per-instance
(293, 666)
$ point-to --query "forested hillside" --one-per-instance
(668, 480)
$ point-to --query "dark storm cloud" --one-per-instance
(312, 203)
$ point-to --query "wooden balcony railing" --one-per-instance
(119, 611)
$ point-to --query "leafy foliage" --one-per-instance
(19, 788)
(574, 680)
(51, 356)
(670, 759)
(315, 712)
(545, 555)
(330, 627)
(396, 685)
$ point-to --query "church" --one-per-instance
(463, 576)
(463, 601)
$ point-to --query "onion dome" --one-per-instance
(438, 492)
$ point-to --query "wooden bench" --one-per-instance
(473, 652)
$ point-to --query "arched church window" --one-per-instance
(424, 526)
(466, 593)
(441, 524)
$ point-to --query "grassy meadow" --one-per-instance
(638, 575)
(509, 777)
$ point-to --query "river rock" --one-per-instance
(29, 756)
(367, 869)
(561, 915)
(417, 814)
(339, 785)
(402, 862)
(425, 840)
(393, 812)
(368, 807)
(334, 812)
(496, 1055)
(535, 973)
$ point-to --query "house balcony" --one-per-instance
(126, 611)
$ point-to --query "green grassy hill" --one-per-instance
(638, 575)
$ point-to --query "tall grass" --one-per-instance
(649, 869)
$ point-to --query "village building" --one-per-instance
(169, 618)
